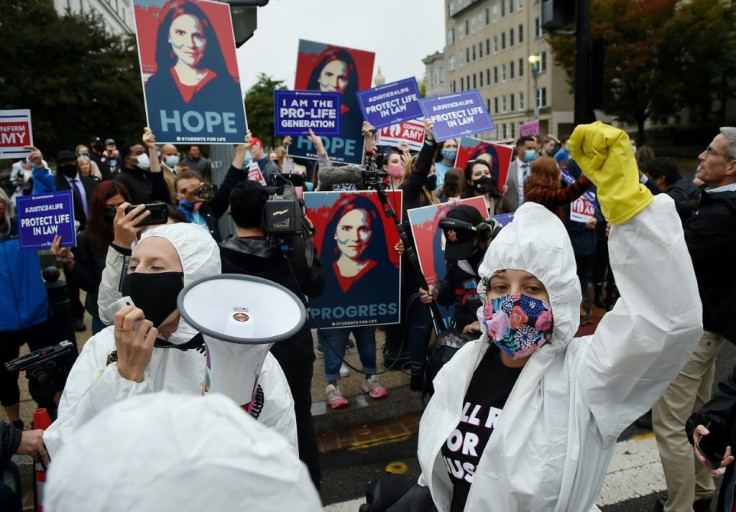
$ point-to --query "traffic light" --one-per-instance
(556, 14)
(245, 18)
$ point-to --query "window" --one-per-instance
(505, 133)
(537, 27)
(495, 44)
(513, 130)
(542, 97)
(503, 40)
(462, 59)
(543, 63)
(488, 76)
(494, 10)
(495, 74)
(475, 83)
(452, 86)
(511, 6)
(511, 102)
(511, 37)
(503, 72)
(467, 26)
(488, 46)
(495, 105)
(472, 25)
(521, 68)
(451, 63)
(461, 30)
(480, 78)
(473, 52)
(511, 70)
(521, 33)
(488, 105)
(467, 55)
(450, 9)
(462, 82)
(450, 37)
(503, 8)
(503, 104)
(488, 16)
(521, 101)
(521, 4)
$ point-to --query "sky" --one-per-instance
(400, 32)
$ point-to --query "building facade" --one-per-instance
(435, 76)
(488, 45)
(117, 14)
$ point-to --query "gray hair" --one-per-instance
(9, 213)
(730, 133)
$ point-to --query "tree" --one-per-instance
(259, 107)
(78, 79)
(636, 85)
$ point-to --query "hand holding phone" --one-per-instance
(158, 214)
(711, 447)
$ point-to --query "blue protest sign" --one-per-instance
(42, 217)
(391, 103)
(457, 115)
(296, 112)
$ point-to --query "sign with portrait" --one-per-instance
(296, 112)
(355, 243)
(411, 132)
(391, 103)
(15, 133)
(189, 71)
(325, 67)
(42, 217)
(457, 115)
(498, 156)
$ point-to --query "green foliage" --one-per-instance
(259, 108)
(78, 79)
(661, 55)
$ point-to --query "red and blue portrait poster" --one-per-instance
(355, 243)
(326, 67)
(498, 156)
(189, 71)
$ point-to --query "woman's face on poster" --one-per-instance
(353, 233)
(186, 36)
(334, 77)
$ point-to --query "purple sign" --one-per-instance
(504, 219)
(457, 115)
(296, 112)
(42, 217)
(391, 103)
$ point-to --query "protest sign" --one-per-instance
(504, 218)
(457, 115)
(411, 132)
(323, 67)
(355, 243)
(189, 71)
(391, 103)
(498, 156)
(295, 112)
(581, 210)
(42, 217)
(15, 133)
(531, 128)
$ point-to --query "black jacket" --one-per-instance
(254, 257)
(144, 186)
(9, 442)
(87, 271)
(459, 289)
(720, 413)
(709, 235)
(89, 185)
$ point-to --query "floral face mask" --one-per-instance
(518, 324)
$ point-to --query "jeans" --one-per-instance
(365, 339)
(97, 325)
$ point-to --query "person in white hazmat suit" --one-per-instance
(526, 418)
(164, 352)
(161, 451)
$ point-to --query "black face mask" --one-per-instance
(483, 185)
(431, 182)
(154, 293)
(68, 170)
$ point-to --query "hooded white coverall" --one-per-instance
(555, 437)
(93, 385)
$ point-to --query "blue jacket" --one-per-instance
(43, 181)
(23, 299)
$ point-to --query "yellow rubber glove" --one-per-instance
(604, 154)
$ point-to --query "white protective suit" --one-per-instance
(551, 447)
(93, 385)
(163, 451)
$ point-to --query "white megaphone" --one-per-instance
(240, 318)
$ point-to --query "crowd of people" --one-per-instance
(519, 294)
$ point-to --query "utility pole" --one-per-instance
(583, 55)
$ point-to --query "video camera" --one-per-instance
(284, 222)
(45, 368)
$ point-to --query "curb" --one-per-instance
(361, 410)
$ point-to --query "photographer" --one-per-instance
(251, 253)
(12, 441)
(196, 201)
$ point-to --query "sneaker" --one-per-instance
(373, 387)
(335, 398)
(344, 371)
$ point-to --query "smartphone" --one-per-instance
(712, 446)
(158, 215)
(206, 192)
(120, 304)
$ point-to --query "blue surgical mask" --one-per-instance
(530, 155)
(172, 160)
(247, 160)
(449, 154)
(84, 154)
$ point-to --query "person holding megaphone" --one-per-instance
(150, 347)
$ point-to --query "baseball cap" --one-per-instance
(109, 141)
(459, 229)
(255, 141)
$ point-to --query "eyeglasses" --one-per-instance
(710, 151)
